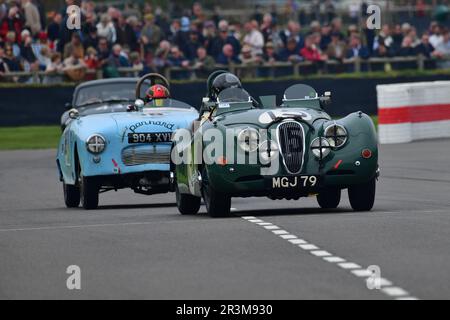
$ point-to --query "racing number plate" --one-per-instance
(149, 137)
(295, 182)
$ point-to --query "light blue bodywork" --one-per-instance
(114, 127)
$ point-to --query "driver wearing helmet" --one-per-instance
(224, 81)
(157, 93)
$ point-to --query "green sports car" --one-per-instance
(243, 148)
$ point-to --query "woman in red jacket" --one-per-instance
(311, 51)
(13, 22)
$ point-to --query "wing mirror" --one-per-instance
(139, 104)
(325, 100)
(74, 113)
(68, 106)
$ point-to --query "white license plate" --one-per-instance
(294, 182)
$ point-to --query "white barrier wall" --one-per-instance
(413, 111)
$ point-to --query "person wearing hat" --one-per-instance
(151, 34)
(41, 50)
(215, 48)
(291, 52)
(270, 55)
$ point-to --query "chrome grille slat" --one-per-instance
(145, 154)
(291, 139)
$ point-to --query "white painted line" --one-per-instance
(278, 232)
(349, 265)
(386, 286)
(385, 282)
(264, 224)
(255, 220)
(334, 259)
(81, 226)
(321, 253)
(363, 273)
(248, 217)
(288, 236)
(308, 247)
(394, 291)
(297, 241)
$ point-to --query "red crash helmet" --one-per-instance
(158, 92)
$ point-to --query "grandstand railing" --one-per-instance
(263, 70)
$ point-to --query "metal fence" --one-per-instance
(255, 70)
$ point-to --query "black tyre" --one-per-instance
(217, 204)
(329, 198)
(71, 195)
(187, 204)
(89, 190)
(362, 197)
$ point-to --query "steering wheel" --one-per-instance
(154, 78)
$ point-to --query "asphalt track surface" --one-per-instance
(139, 247)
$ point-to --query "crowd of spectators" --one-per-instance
(150, 39)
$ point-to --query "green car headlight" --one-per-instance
(96, 144)
(268, 151)
(320, 148)
(248, 139)
(336, 135)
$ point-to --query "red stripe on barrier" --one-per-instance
(414, 114)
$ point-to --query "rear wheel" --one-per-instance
(71, 195)
(187, 204)
(329, 198)
(217, 204)
(362, 197)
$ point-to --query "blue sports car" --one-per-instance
(118, 135)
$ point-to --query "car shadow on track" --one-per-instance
(137, 206)
(291, 212)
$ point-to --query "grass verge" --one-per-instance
(29, 137)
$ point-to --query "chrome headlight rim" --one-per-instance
(242, 143)
(323, 145)
(333, 138)
(264, 152)
(98, 146)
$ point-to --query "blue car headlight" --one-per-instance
(96, 144)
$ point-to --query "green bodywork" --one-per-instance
(342, 168)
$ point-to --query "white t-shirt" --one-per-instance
(435, 40)
(255, 39)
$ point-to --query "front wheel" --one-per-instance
(217, 204)
(71, 195)
(329, 198)
(187, 204)
(362, 197)
(89, 190)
